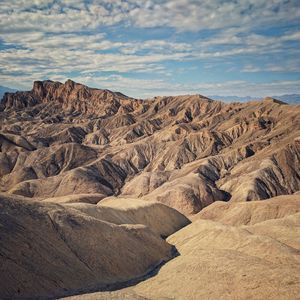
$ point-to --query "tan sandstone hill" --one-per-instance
(48, 250)
(62, 139)
(244, 213)
(96, 186)
(219, 261)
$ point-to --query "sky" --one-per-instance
(156, 47)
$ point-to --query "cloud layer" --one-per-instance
(153, 47)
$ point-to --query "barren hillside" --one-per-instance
(218, 260)
(185, 151)
(100, 191)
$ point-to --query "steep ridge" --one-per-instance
(71, 96)
(185, 151)
(49, 250)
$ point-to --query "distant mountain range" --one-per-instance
(288, 98)
(292, 98)
(4, 89)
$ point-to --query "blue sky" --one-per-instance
(147, 48)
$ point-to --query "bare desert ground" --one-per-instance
(108, 197)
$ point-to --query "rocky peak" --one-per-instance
(43, 88)
(70, 83)
(71, 96)
(38, 89)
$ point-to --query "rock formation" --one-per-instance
(185, 151)
(97, 192)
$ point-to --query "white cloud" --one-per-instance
(54, 38)
(183, 15)
(290, 65)
(213, 14)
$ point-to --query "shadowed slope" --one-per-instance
(48, 250)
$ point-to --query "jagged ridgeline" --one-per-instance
(185, 151)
